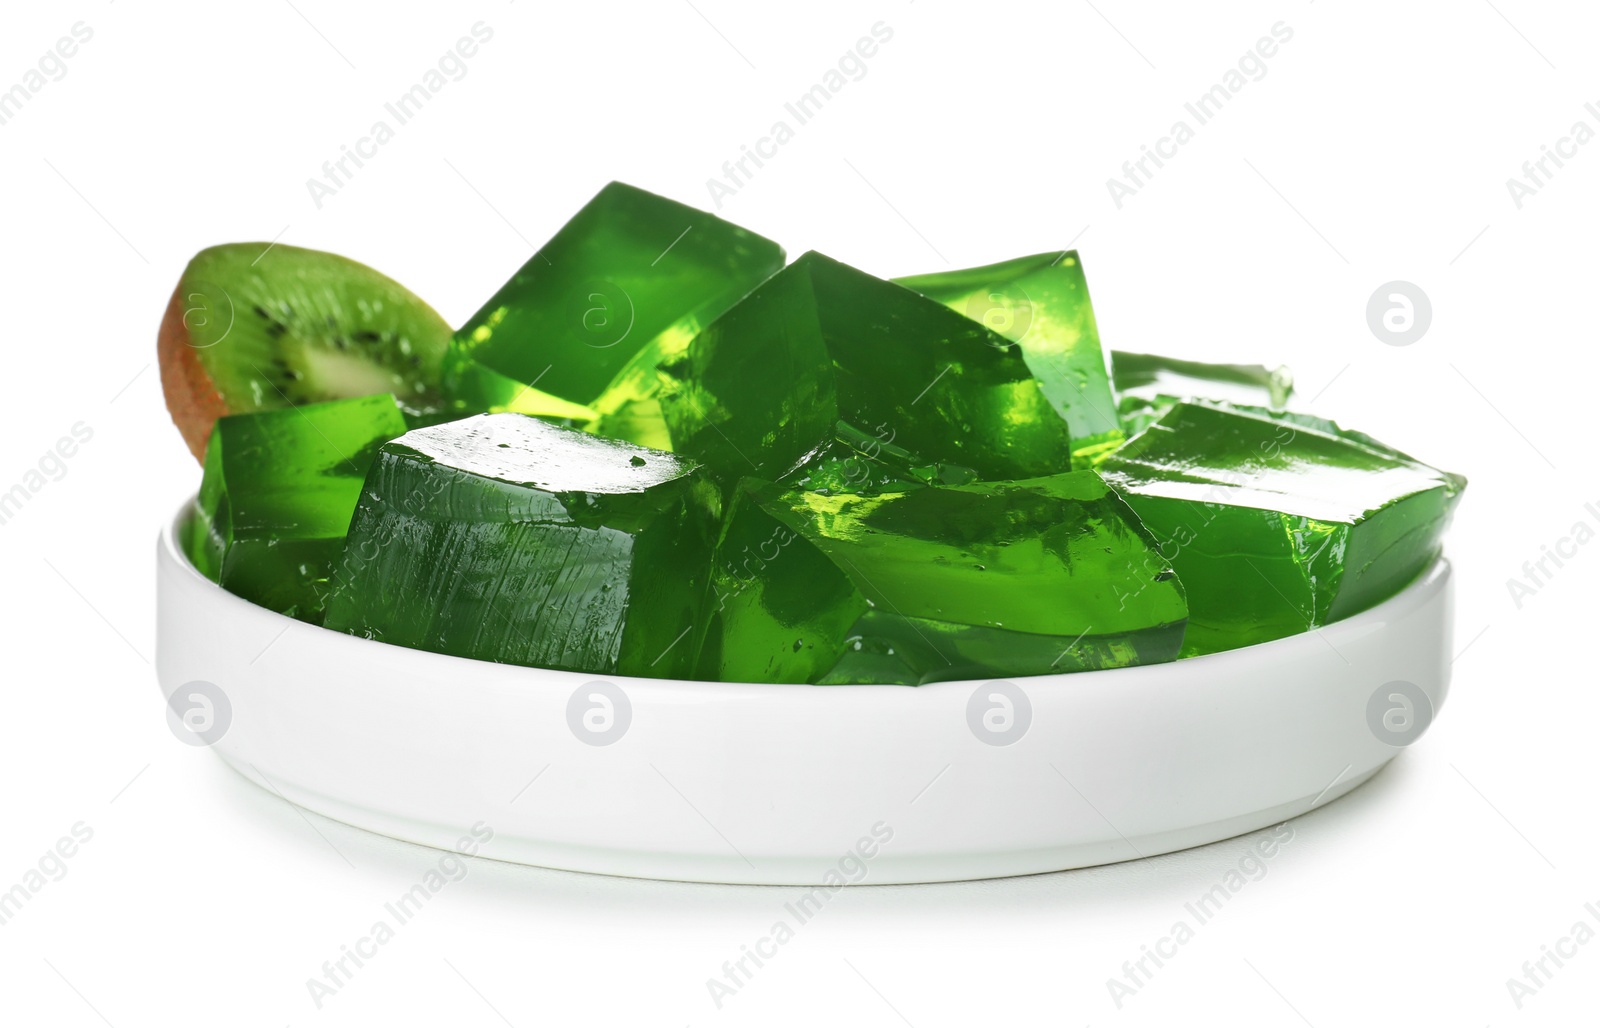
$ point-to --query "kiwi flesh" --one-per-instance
(255, 326)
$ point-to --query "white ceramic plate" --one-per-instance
(797, 784)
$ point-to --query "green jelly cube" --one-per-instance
(1041, 303)
(1275, 527)
(630, 407)
(277, 494)
(822, 353)
(501, 537)
(855, 462)
(1330, 427)
(631, 272)
(1148, 385)
(941, 583)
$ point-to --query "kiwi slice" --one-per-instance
(253, 326)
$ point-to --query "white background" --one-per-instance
(1377, 147)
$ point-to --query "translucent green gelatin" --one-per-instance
(984, 580)
(504, 538)
(1148, 385)
(1327, 426)
(822, 362)
(278, 492)
(855, 462)
(1041, 303)
(632, 273)
(1275, 527)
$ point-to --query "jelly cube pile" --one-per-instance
(666, 453)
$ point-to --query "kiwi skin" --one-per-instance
(192, 399)
(256, 326)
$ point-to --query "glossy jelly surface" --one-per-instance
(821, 354)
(277, 494)
(504, 538)
(990, 579)
(1275, 527)
(1041, 303)
(632, 273)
